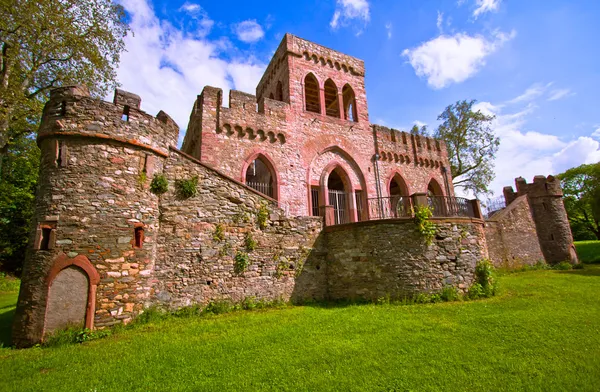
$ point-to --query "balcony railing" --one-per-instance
(443, 206)
(390, 207)
(262, 187)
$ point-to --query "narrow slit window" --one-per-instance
(359, 205)
(61, 154)
(125, 115)
(314, 199)
(63, 108)
(139, 236)
(45, 240)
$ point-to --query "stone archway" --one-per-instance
(71, 296)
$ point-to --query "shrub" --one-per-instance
(219, 234)
(449, 294)
(159, 184)
(424, 225)
(219, 307)
(8, 283)
(241, 262)
(578, 266)
(475, 291)
(485, 275)
(250, 242)
(187, 188)
(563, 266)
(262, 216)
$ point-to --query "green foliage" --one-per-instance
(485, 275)
(219, 234)
(187, 188)
(262, 216)
(249, 242)
(241, 261)
(450, 294)
(425, 227)
(224, 251)
(74, 335)
(476, 291)
(159, 184)
(588, 251)
(9, 283)
(241, 217)
(581, 189)
(423, 131)
(472, 145)
(562, 266)
(142, 178)
(18, 181)
(46, 44)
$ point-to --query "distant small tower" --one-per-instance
(552, 225)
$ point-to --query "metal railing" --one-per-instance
(443, 206)
(491, 206)
(262, 187)
(389, 207)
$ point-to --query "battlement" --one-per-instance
(404, 147)
(324, 56)
(71, 111)
(541, 187)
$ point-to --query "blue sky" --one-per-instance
(533, 64)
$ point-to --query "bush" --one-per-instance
(262, 216)
(219, 307)
(563, 266)
(187, 188)
(449, 294)
(485, 275)
(476, 291)
(8, 283)
(424, 225)
(219, 234)
(159, 184)
(250, 242)
(241, 262)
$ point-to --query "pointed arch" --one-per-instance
(259, 173)
(332, 104)
(434, 188)
(312, 94)
(399, 201)
(397, 185)
(84, 266)
(350, 112)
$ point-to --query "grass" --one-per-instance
(541, 333)
(588, 251)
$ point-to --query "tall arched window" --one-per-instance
(400, 203)
(434, 188)
(312, 94)
(279, 91)
(350, 112)
(332, 105)
(260, 175)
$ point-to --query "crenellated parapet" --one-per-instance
(406, 148)
(72, 112)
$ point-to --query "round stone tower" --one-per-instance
(546, 200)
(91, 254)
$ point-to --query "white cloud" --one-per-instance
(190, 7)
(203, 24)
(533, 92)
(419, 123)
(249, 31)
(484, 6)
(559, 94)
(168, 66)
(388, 28)
(453, 59)
(440, 21)
(349, 10)
(527, 153)
(596, 133)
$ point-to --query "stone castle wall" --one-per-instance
(390, 258)
(512, 237)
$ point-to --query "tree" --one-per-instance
(581, 188)
(471, 144)
(17, 201)
(423, 131)
(49, 43)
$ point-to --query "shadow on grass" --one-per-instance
(6, 320)
(588, 271)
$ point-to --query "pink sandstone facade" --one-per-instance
(310, 118)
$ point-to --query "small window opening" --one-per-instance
(61, 154)
(139, 236)
(45, 241)
(552, 237)
(63, 108)
(314, 200)
(125, 116)
(279, 91)
(545, 206)
(350, 113)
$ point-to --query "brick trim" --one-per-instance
(61, 262)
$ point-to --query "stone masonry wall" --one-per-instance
(511, 236)
(371, 260)
(195, 265)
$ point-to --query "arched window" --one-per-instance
(338, 196)
(349, 104)
(279, 91)
(271, 96)
(439, 205)
(400, 203)
(260, 176)
(312, 94)
(434, 188)
(332, 105)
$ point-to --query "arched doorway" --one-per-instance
(67, 300)
(260, 175)
(338, 196)
(435, 199)
(399, 202)
(434, 188)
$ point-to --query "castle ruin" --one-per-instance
(294, 184)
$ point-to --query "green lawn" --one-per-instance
(588, 251)
(541, 333)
